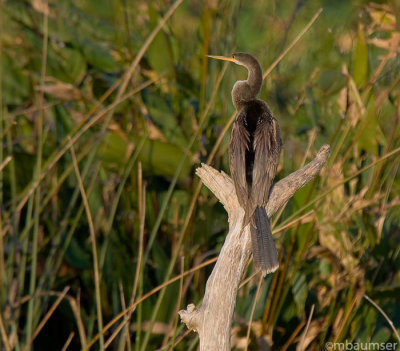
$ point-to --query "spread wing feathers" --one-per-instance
(267, 146)
(237, 159)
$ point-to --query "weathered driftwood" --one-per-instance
(213, 319)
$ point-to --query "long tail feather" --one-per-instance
(265, 256)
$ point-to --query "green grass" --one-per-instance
(107, 108)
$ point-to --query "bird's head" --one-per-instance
(244, 90)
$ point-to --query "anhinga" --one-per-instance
(254, 151)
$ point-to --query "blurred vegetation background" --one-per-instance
(107, 108)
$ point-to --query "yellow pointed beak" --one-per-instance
(231, 59)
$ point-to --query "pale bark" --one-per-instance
(213, 319)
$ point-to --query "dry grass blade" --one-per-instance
(146, 45)
(248, 279)
(295, 221)
(260, 280)
(384, 315)
(178, 303)
(73, 139)
(289, 341)
(70, 337)
(4, 335)
(127, 336)
(120, 98)
(118, 329)
(75, 307)
(346, 317)
(292, 44)
(142, 211)
(147, 295)
(307, 326)
(182, 233)
(94, 247)
(355, 174)
(36, 175)
(46, 317)
(212, 154)
(142, 216)
(5, 162)
(176, 342)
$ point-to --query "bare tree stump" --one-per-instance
(213, 319)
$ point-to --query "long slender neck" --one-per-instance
(246, 90)
(254, 78)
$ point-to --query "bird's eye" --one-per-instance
(233, 55)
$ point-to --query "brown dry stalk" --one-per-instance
(70, 337)
(384, 315)
(146, 296)
(259, 284)
(293, 43)
(5, 162)
(306, 330)
(46, 317)
(4, 336)
(94, 246)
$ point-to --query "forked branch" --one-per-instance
(213, 319)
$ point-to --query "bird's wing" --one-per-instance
(237, 158)
(267, 146)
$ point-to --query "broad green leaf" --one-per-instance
(369, 320)
(99, 55)
(360, 60)
(113, 150)
(300, 292)
(180, 200)
(382, 336)
(95, 200)
(371, 133)
(163, 158)
(331, 82)
(157, 157)
(159, 257)
(74, 65)
(164, 118)
(325, 267)
(23, 172)
(312, 107)
(15, 83)
(99, 11)
(65, 64)
(64, 123)
(290, 310)
(386, 291)
(245, 302)
(21, 13)
(76, 256)
(159, 51)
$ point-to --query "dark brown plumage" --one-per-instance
(254, 151)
